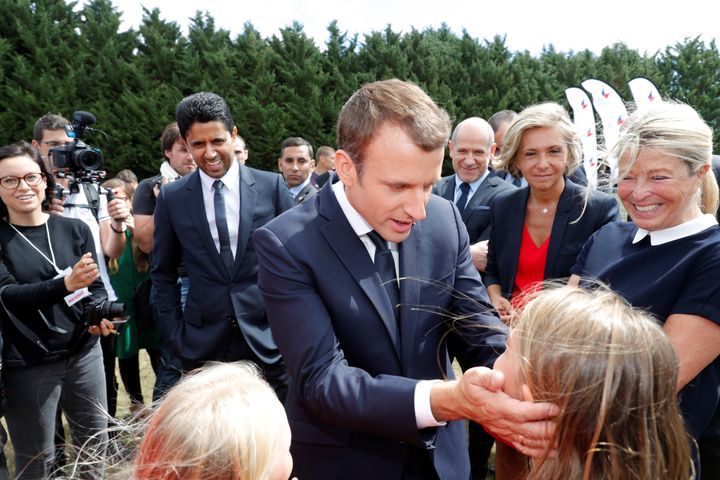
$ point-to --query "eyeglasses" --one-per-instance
(32, 179)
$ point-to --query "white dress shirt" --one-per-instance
(231, 193)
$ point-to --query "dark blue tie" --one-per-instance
(385, 266)
(222, 225)
(464, 191)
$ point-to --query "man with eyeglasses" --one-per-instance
(108, 229)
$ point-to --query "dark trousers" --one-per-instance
(130, 373)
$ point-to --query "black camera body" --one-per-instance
(83, 162)
(94, 312)
(78, 157)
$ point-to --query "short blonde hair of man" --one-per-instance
(613, 372)
(221, 422)
(678, 130)
(542, 115)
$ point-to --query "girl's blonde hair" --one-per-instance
(677, 130)
(547, 115)
(221, 422)
(613, 372)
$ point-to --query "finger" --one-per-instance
(527, 394)
(529, 451)
(491, 380)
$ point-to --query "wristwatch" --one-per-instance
(122, 229)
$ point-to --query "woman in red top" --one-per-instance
(537, 231)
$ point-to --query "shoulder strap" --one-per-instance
(27, 333)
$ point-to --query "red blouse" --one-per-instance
(531, 268)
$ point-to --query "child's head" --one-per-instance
(222, 422)
(613, 372)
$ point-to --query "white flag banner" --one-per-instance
(644, 93)
(584, 119)
(613, 114)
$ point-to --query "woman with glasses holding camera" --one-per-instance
(51, 355)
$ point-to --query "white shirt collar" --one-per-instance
(473, 185)
(230, 179)
(357, 222)
(691, 227)
(298, 188)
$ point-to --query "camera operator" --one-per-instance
(51, 353)
(178, 162)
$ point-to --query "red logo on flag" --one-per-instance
(621, 120)
(606, 95)
(583, 104)
(651, 97)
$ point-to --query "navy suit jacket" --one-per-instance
(353, 370)
(476, 215)
(182, 234)
(569, 232)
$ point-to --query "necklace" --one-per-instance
(544, 209)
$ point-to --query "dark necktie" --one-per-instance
(385, 266)
(464, 191)
(222, 226)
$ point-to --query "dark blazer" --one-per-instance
(216, 297)
(476, 215)
(567, 237)
(307, 192)
(353, 370)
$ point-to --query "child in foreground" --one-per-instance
(222, 422)
(613, 372)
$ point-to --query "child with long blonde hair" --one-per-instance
(613, 372)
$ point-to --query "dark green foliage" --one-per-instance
(57, 57)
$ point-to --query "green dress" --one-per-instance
(125, 281)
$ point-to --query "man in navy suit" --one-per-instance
(472, 146)
(373, 393)
(205, 220)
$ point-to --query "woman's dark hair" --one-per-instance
(23, 148)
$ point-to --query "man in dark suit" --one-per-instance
(205, 220)
(473, 186)
(296, 164)
(367, 356)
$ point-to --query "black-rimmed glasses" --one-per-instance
(11, 183)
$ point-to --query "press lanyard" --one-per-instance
(52, 254)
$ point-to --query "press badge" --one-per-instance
(75, 296)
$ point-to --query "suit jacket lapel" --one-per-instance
(560, 224)
(411, 277)
(515, 225)
(195, 204)
(480, 195)
(447, 188)
(248, 199)
(352, 253)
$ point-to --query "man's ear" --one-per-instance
(35, 143)
(345, 168)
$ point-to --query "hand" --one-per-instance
(130, 221)
(56, 206)
(118, 210)
(83, 273)
(479, 253)
(478, 396)
(504, 308)
(156, 188)
(105, 328)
